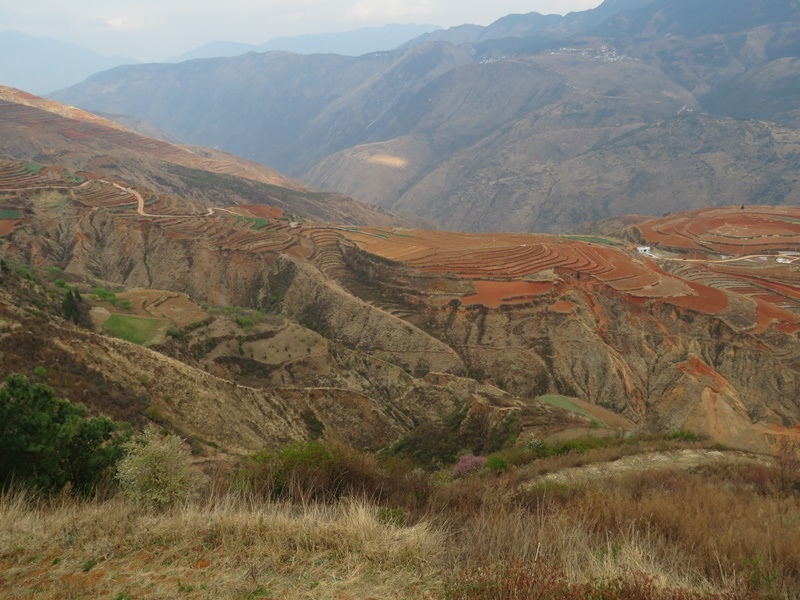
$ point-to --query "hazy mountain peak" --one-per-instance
(531, 24)
(346, 43)
(49, 64)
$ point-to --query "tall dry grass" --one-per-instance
(226, 547)
(707, 531)
(729, 527)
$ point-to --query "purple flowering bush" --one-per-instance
(468, 464)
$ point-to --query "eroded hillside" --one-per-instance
(403, 326)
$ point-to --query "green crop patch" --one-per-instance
(133, 329)
(395, 233)
(32, 167)
(10, 214)
(566, 404)
(591, 239)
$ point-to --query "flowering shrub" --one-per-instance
(468, 464)
(155, 472)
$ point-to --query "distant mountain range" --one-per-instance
(347, 43)
(51, 64)
(532, 123)
(43, 65)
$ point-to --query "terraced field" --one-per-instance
(732, 231)
(249, 228)
(517, 268)
(761, 279)
(499, 264)
(74, 124)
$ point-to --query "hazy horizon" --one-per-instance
(150, 30)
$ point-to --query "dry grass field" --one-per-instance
(721, 525)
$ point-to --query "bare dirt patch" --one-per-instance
(494, 293)
(7, 226)
(676, 459)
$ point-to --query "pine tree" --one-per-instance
(70, 308)
(46, 441)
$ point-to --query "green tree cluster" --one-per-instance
(47, 442)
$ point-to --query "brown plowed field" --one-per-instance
(494, 293)
(257, 211)
(7, 226)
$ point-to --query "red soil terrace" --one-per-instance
(504, 268)
(500, 264)
(492, 294)
(727, 230)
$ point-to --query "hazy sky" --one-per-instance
(156, 29)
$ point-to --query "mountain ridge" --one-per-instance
(49, 64)
(347, 43)
(480, 138)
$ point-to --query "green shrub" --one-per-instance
(104, 294)
(40, 372)
(299, 467)
(48, 442)
(60, 283)
(496, 464)
(304, 471)
(685, 436)
(243, 321)
(176, 333)
(155, 471)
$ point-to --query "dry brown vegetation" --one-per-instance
(728, 528)
(219, 549)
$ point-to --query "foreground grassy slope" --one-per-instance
(726, 528)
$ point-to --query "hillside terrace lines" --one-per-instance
(75, 124)
(21, 177)
(498, 265)
(729, 230)
(230, 232)
(103, 194)
(763, 241)
(182, 219)
(487, 257)
(326, 254)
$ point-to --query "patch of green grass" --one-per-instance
(33, 167)
(566, 404)
(133, 329)
(394, 233)
(73, 178)
(87, 566)
(259, 224)
(10, 214)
